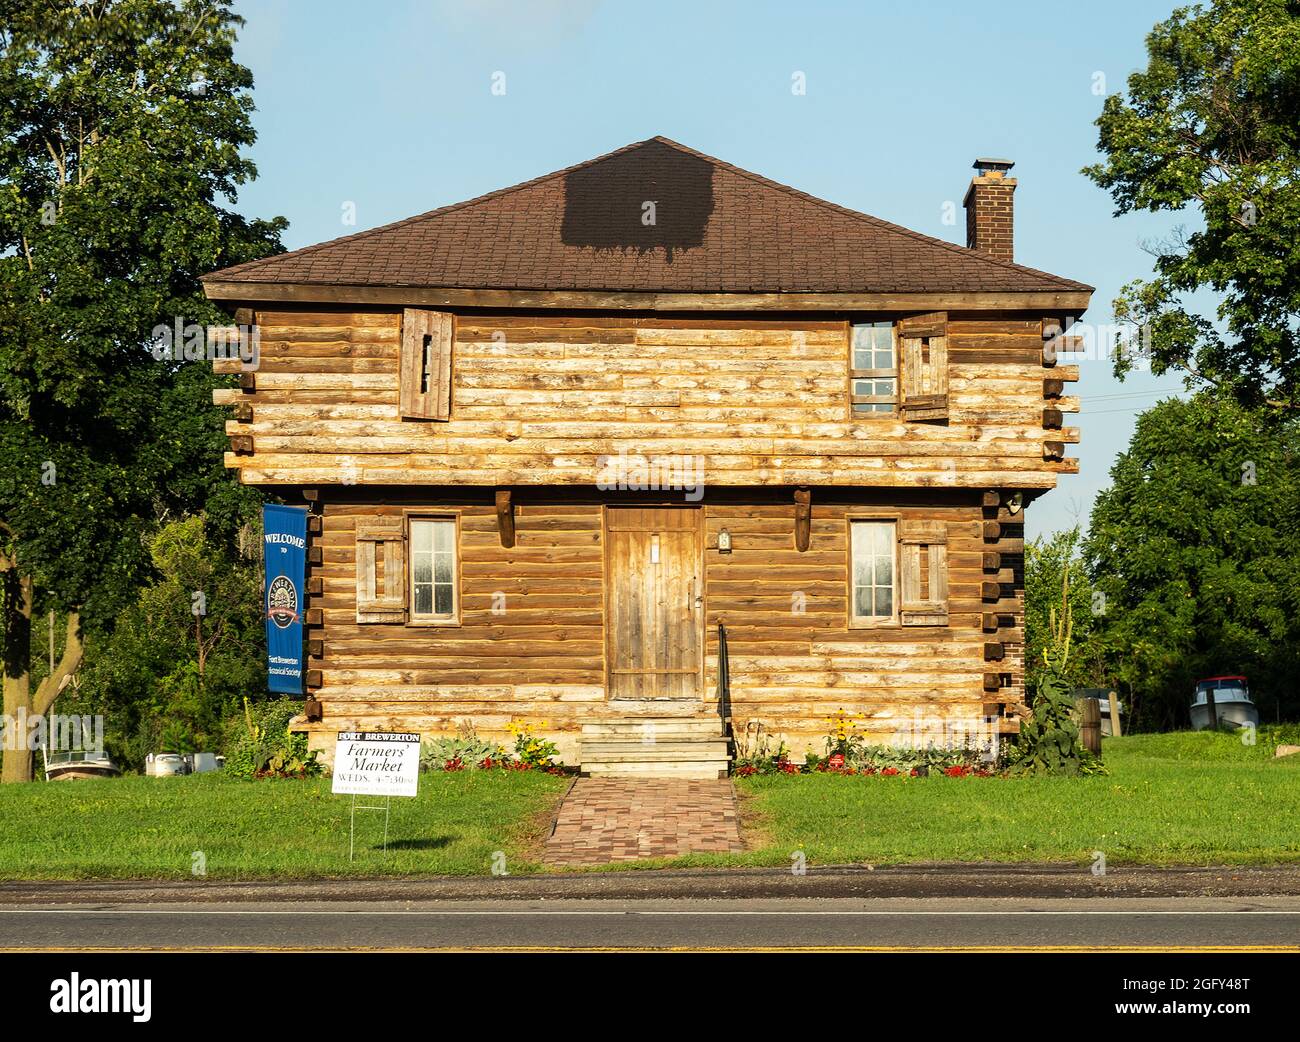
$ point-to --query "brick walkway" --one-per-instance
(625, 819)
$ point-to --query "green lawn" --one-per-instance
(1189, 798)
(1177, 798)
(149, 828)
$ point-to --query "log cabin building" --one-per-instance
(651, 445)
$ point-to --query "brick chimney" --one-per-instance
(989, 209)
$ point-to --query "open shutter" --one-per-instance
(923, 366)
(923, 579)
(426, 364)
(381, 570)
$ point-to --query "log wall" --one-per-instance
(540, 399)
(531, 640)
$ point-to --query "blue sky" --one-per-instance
(389, 105)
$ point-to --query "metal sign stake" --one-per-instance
(352, 823)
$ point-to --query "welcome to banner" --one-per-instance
(284, 546)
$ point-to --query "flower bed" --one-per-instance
(467, 751)
(848, 754)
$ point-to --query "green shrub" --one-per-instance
(260, 744)
(464, 749)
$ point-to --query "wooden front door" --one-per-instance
(654, 618)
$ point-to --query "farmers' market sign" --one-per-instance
(376, 763)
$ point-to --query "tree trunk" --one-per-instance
(17, 589)
(18, 699)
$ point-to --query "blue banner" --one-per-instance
(284, 545)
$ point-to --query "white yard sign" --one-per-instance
(376, 763)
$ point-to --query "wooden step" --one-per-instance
(617, 752)
(652, 744)
(660, 707)
(709, 769)
(655, 726)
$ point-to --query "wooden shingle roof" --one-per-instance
(654, 216)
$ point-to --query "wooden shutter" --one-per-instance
(426, 364)
(923, 567)
(923, 366)
(381, 594)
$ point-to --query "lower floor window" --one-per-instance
(872, 564)
(433, 568)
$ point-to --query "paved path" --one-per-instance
(971, 925)
(628, 819)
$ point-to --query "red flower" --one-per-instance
(891, 771)
(746, 771)
(958, 771)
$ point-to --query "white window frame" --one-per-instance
(415, 617)
(867, 406)
(855, 620)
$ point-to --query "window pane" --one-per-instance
(421, 536)
(423, 600)
(421, 569)
(444, 531)
(862, 602)
(862, 345)
(884, 602)
(884, 571)
(443, 599)
(442, 571)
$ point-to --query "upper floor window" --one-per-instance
(873, 372)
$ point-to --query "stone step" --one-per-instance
(620, 752)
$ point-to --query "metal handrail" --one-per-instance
(724, 680)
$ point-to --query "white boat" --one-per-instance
(69, 766)
(1232, 703)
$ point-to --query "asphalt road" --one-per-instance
(926, 924)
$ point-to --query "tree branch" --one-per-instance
(69, 663)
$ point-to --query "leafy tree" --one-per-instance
(1196, 546)
(120, 144)
(181, 658)
(1054, 564)
(1213, 124)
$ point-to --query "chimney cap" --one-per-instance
(985, 166)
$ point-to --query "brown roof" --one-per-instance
(716, 229)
